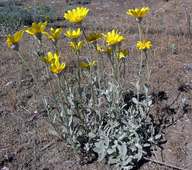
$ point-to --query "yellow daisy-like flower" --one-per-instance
(122, 54)
(139, 13)
(92, 37)
(50, 57)
(87, 65)
(76, 45)
(76, 15)
(36, 29)
(57, 67)
(73, 34)
(13, 40)
(54, 34)
(113, 38)
(106, 50)
(144, 45)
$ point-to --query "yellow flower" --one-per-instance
(92, 37)
(57, 67)
(87, 65)
(100, 49)
(54, 34)
(122, 54)
(113, 38)
(36, 29)
(144, 45)
(139, 13)
(76, 45)
(50, 57)
(13, 40)
(73, 34)
(76, 15)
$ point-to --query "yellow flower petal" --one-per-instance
(54, 34)
(36, 28)
(113, 38)
(144, 45)
(122, 54)
(73, 34)
(13, 40)
(76, 15)
(56, 67)
(76, 45)
(139, 13)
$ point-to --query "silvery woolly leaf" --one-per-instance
(70, 120)
(127, 167)
(111, 150)
(115, 144)
(139, 154)
(151, 140)
(101, 155)
(135, 100)
(54, 118)
(146, 89)
(127, 161)
(64, 130)
(150, 102)
(122, 149)
(122, 136)
(158, 136)
(113, 161)
(91, 135)
(147, 145)
(100, 149)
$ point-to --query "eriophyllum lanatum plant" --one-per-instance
(87, 107)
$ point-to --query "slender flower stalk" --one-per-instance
(147, 66)
(140, 65)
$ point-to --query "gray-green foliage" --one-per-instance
(41, 12)
(13, 17)
(101, 123)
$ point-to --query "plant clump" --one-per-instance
(91, 108)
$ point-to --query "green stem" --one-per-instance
(140, 65)
(147, 66)
(139, 29)
(78, 73)
(92, 89)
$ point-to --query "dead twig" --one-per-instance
(164, 164)
(48, 145)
